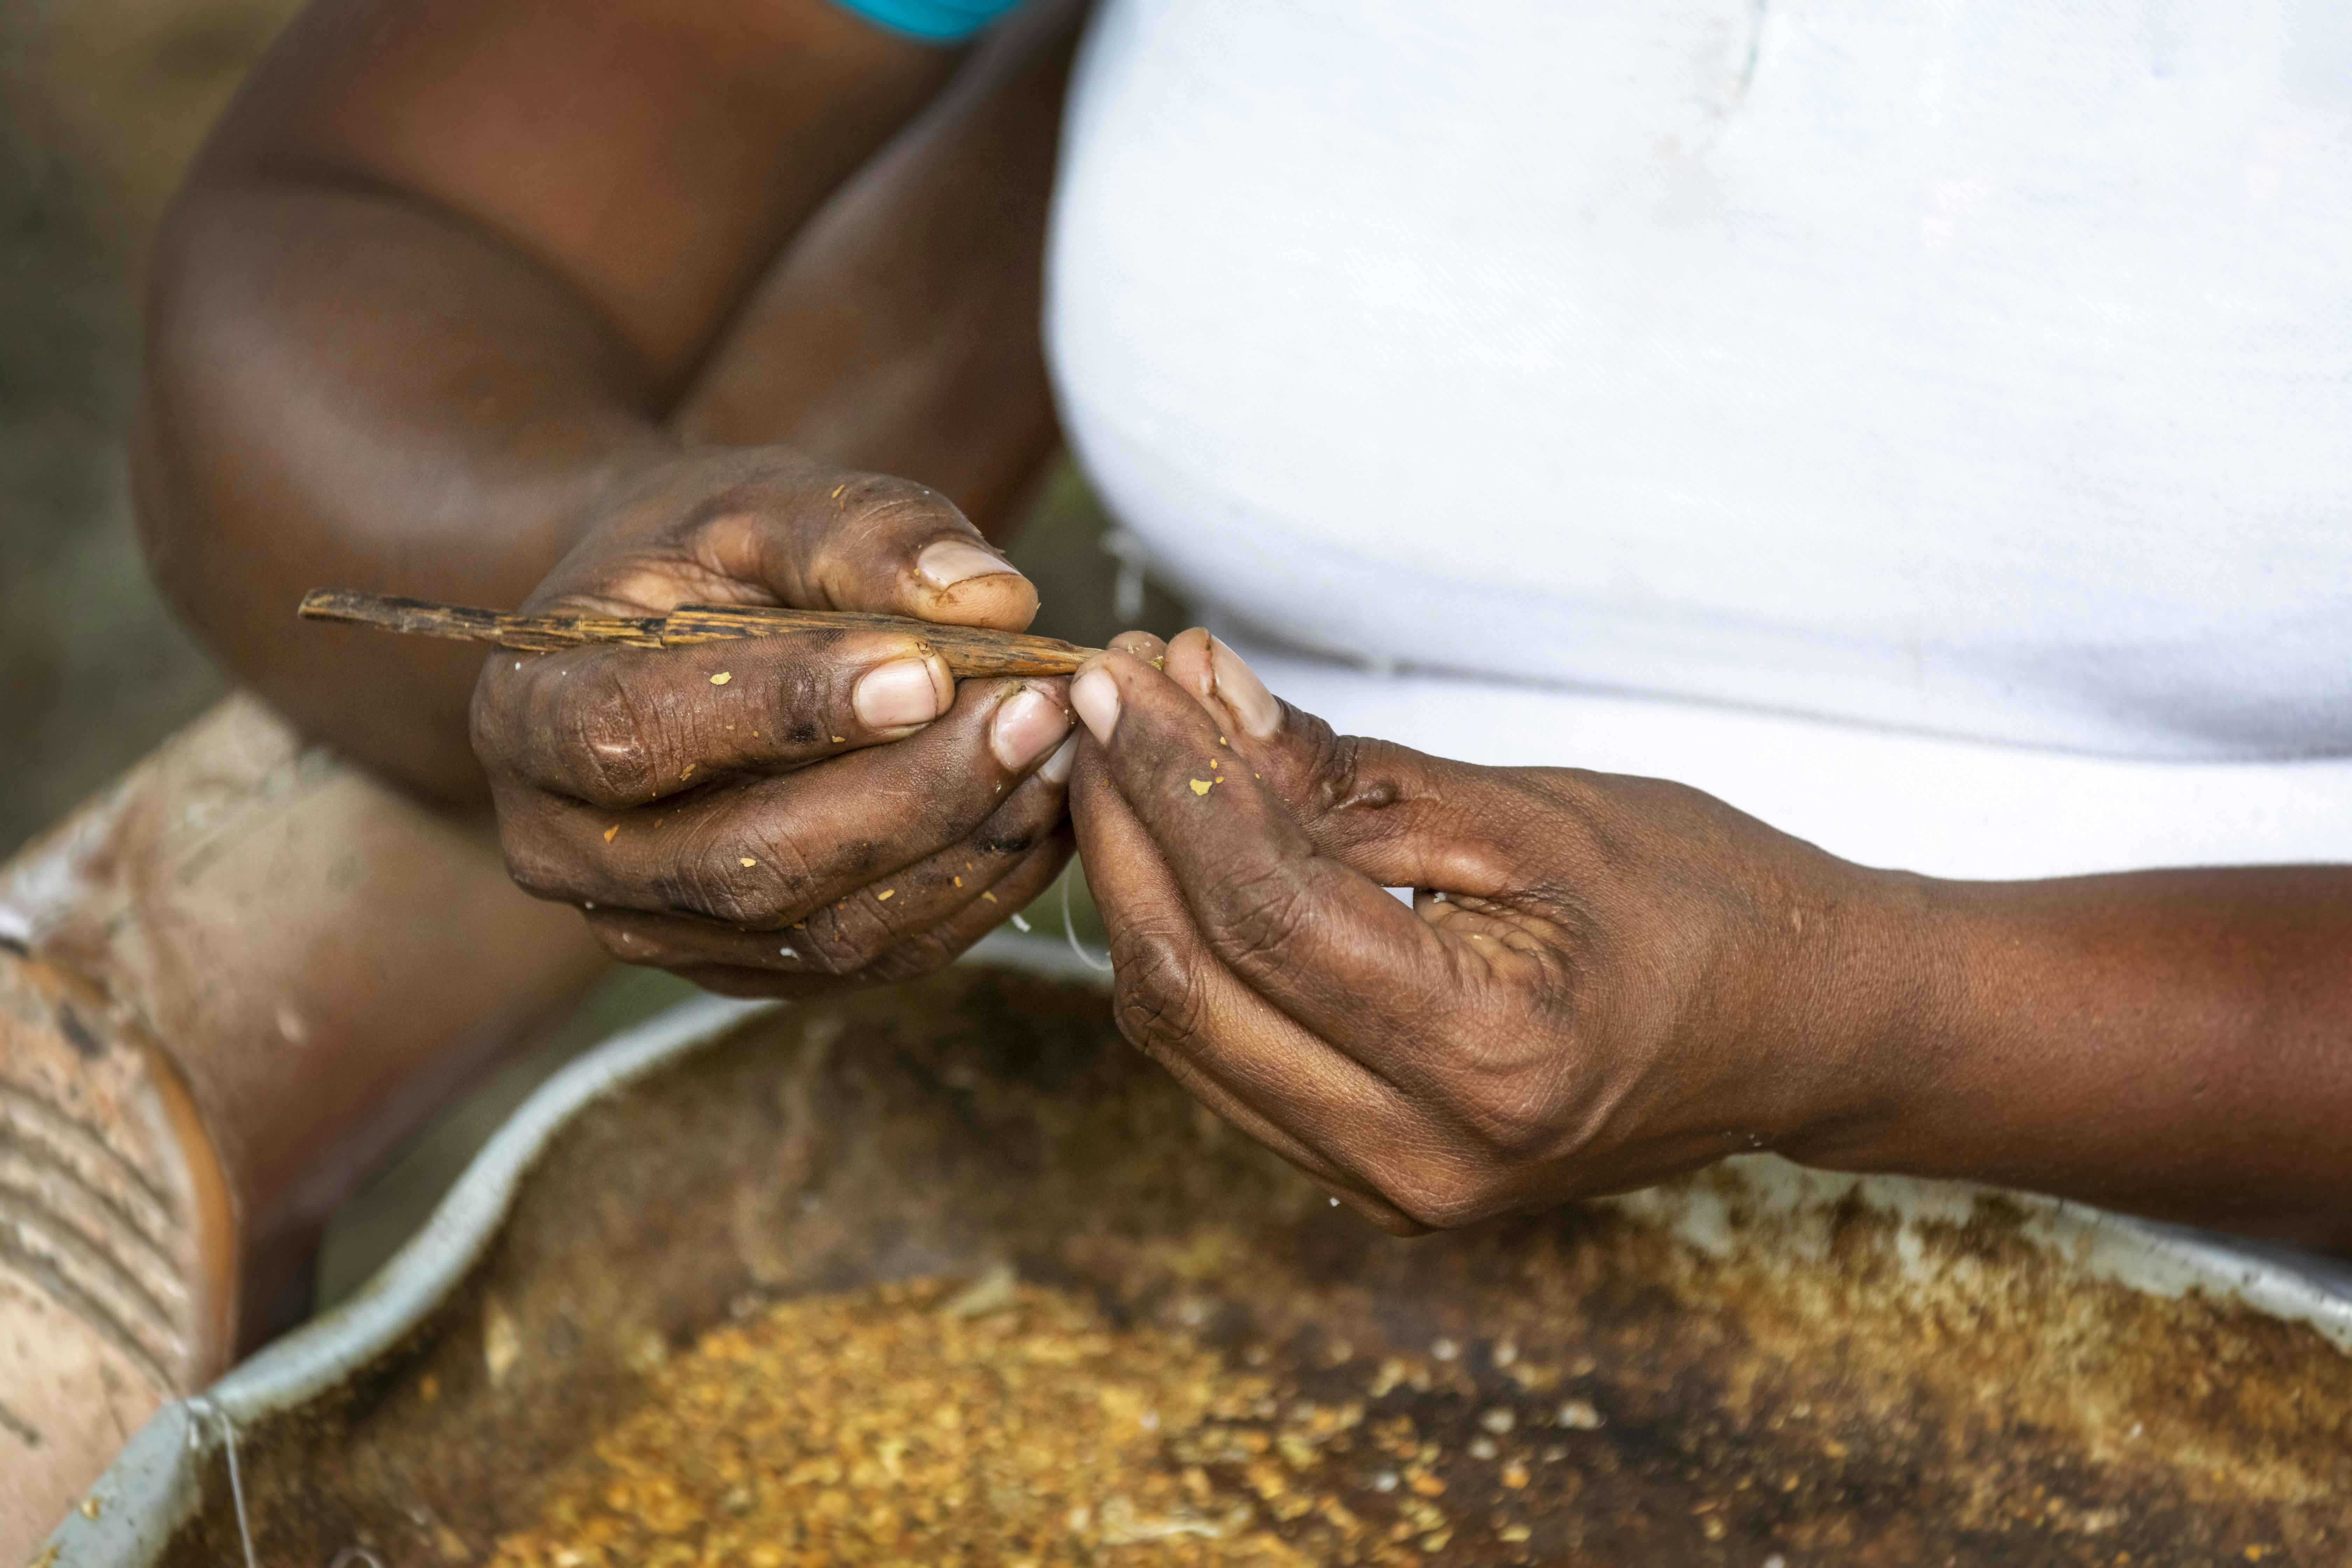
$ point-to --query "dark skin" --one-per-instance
(618, 308)
(1606, 981)
(622, 306)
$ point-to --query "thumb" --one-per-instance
(869, 541)
(1400, 817)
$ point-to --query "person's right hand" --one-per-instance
(768, 815)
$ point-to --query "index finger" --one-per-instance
(1327, 945)
(618, 727)
(1230, 1048)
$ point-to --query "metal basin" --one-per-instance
(1759, 1361)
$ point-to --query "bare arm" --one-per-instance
(449, 275)
(1624, 979)
(2172, 1043)
(622, 306)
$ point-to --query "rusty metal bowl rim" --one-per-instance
(154, 1485)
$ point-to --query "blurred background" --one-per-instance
(102, 103)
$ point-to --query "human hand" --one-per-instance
(1602, 982)
(770, 815)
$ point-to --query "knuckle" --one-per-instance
(710, 878)
(843, 939)
(1369, 775)
(898, 505)
(870, 530)
(1336, 764)
(738, 901)
(618, 738)
(1255, 914)
(1510, 1125)
(1441, 1195)
(537, 868)
(809, 698)
(1155, 993)
(912, 957)
(1360, 780)
(718, 888)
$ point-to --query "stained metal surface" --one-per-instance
(228, 984)
(1761, 1360)
(280, 922)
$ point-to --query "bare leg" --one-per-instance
(228, 987)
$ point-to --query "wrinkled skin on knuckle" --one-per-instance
(1256, 911)
(910, 957)
(890, 497)
(888, 513)
(1366, 778)
(1510, 1121)
(1347, 777)
(1305, 763)
(1155, 995)
(844, 938)
(1360, 796)
(1445, 1194)
(706, 878)
(620, 740)
(703, 888)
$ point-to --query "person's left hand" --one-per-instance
(1604, 981)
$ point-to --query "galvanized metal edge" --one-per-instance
(2139, 1255)
(153, 1487)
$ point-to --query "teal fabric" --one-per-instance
(934, 21)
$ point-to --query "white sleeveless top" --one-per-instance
(1927, 427)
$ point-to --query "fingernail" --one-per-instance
(1245, 693)
(1027, 725)
(1056, 769)
(894, 695)
(951, 560)
(1095, 697)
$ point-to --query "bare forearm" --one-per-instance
(345, 385)
(2170, 1042)
(862, 346)
(413, 377)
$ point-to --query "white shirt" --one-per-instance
(1928, 428)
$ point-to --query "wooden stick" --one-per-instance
(968, 650)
